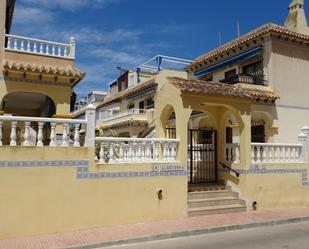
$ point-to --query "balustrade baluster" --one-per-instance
(47, 49)
(13, 134)
(52, 135)
(59, 50)
(147, 151)
(293, 159)
(165, 151)
(173, 151)
(15, 44)
(1, 136)
(22, 45)
(252, 154)
(9, 43)
(34, 47)
(237, 154)
(258, 154)
(65, 51)
(130, 153)
(264, 153)
(65, 135)
(111, 152)
(28, 46)
(41, 48)
(121, 152)
(76, 135)
(40, 134)
(101, 153)
(139, 151)
(53, 50)
(26, 134)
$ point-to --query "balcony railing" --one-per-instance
(136, 150)
(130, 112)
(40, 47)
(29, 131)
(248, 79)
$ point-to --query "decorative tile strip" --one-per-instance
(82, 169)
(302, 172)
(34, 164)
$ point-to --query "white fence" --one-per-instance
(276, 153)
(231, 153)
(31, 131)
(110, 116)
(36, 46)
(137, 150)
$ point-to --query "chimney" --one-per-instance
(296, 20)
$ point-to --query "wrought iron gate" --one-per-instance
(202, 156)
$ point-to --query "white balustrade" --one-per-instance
(36, 46)
(107, 116)
(136, 150)
(32, 131)
(276, 153)
(231, 153)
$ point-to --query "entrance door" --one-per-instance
(202, 156)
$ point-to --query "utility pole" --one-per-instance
(238, 29)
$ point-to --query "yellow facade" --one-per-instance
(48, 199)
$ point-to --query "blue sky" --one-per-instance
(111, 33)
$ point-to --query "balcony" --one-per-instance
(139, 115)
(247, 79)
(40, 47)
(45, 61)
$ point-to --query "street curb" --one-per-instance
(195, 232)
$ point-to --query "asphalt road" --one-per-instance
(291, 236)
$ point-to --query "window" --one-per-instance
(258, 132)
(131, 106)
(149, 104)
(229, 135)
(253, 69)
(230, 74)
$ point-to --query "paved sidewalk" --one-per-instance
(157, 230)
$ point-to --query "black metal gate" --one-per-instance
(202, 156)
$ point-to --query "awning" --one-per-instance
(232, 60)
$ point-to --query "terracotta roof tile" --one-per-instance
(222, 89)
(132, 90)
(29, 67)
(260, 31)
(124, 124)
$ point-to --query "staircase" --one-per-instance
(214, 201)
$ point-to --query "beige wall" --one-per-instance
(289, 76)
(42, 199)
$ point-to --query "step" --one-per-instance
(210, 202)
(212, 194)
(201, 211)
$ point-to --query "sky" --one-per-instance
(125, 33)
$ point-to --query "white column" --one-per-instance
(90, 131)
(72, 48)
(13, 134)
(303, 139)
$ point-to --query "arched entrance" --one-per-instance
(202, 148)
(28, 104)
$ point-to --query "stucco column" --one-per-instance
(245, 139)
(182, 121)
